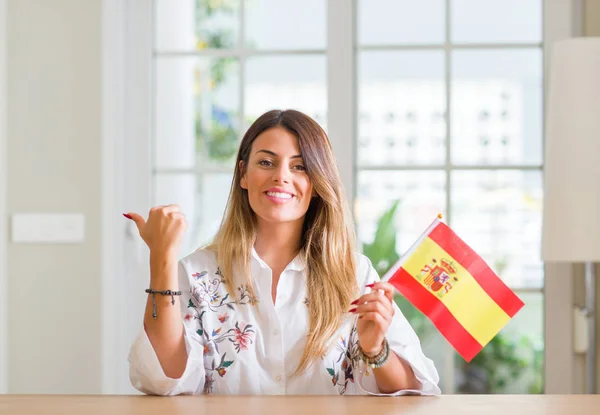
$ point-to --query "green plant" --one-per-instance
(504, 359)
(216, 133)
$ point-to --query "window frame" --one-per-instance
(127, 166)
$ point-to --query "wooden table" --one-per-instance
(236, 405)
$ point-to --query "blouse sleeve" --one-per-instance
(404, 342)
(145, 371)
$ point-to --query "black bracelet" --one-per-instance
(165, 292)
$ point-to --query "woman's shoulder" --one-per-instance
(200, 258)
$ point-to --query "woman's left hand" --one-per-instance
(375, 311)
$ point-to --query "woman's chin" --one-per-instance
(278, 217)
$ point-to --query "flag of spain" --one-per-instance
(453, 286)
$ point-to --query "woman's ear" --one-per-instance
(243, 181)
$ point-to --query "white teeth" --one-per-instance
(280, 195)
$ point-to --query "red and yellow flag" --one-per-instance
(453, 286)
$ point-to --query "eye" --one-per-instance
(266, 163)
(299, 167)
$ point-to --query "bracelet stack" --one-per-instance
(165, 292)
(380, 359)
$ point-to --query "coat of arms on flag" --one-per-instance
(454, 287)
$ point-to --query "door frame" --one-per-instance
(126, 85)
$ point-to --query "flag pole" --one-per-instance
(400, 262)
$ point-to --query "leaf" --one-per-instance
(227, 363)
(224, 298)
(222, 359)
(191, 305)
(230, 306)
(200, 332)
(331, 371)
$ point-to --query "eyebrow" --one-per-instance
(275, 154)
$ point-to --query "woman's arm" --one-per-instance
(166, 331)
(376, 312)
(163, 233)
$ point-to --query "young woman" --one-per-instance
(280, 303)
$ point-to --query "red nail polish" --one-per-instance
(128, 216)
(370, 285)
(352, 311)
(354, 302)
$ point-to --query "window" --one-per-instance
(450, 121)
(449, 99)
(218, 65)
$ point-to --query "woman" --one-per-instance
(280, 303)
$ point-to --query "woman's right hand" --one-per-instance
(163, 231)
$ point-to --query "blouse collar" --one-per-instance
(297, 264)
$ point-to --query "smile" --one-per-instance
(279, 197)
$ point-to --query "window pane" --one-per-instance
(196, 24)
(385, 22)
(435, 346)
(214, 193)
(494, 21)
(513, 361)
(402, 108)
(421, 196)
(496, 115)
(498, 214)
(285, 24)
(286, 82)
(197, 112)
(201, 198)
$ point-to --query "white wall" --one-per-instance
(3, 183)
(53, 143)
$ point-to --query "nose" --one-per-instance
(282, 174)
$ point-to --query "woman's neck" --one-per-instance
(277, 244)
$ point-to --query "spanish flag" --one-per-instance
(453, 286)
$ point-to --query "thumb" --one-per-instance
(139, 221)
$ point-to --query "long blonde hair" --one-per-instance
(328, 238)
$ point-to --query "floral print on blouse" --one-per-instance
(251, 345)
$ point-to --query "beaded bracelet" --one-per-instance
(380, 359)
(165, 292)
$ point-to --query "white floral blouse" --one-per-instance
(252, 346)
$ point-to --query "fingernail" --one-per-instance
(352, 310)
(354, 302)
(370, 285)
(127, 215)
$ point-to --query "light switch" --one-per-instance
(48, 228)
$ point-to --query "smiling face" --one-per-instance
(279, 189)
